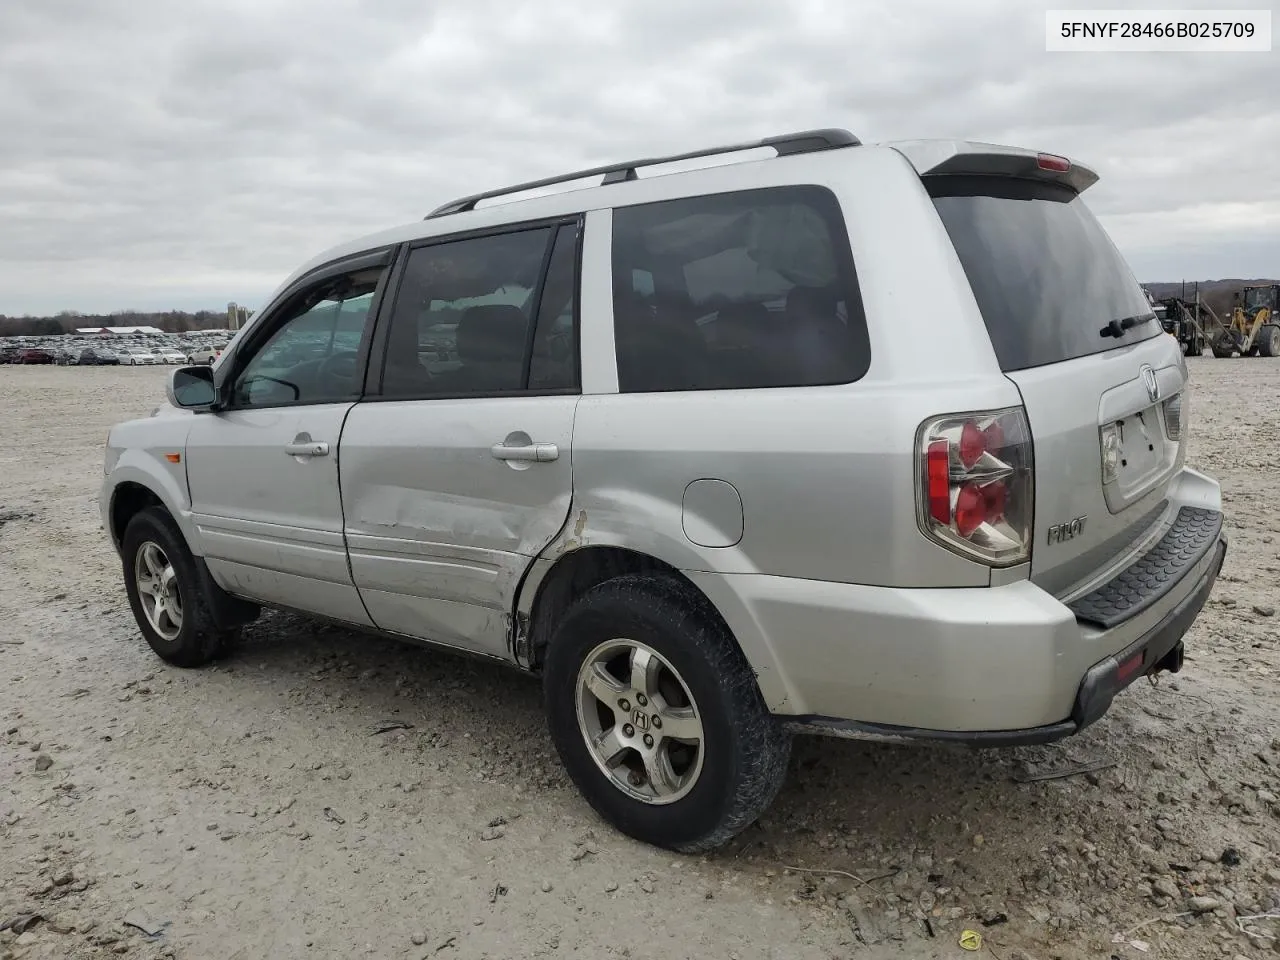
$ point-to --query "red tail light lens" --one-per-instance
(977, 485)
(973, 444)
(971, 509)
(939, 459)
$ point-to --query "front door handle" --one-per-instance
(311, 448)
(533, 452)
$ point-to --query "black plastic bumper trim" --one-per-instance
(1153, 575)
(857, 730)
(1102, 682)
(1097, 690)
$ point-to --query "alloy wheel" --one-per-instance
(640, 722)
(158, 591)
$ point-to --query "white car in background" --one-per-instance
(201, 356)
(136, 356)
(170, 355)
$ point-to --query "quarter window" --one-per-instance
(736, 291)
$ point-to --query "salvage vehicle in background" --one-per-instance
(659, 443)
(205, 355)
(137, 356)
(36, 355)
(98, 357)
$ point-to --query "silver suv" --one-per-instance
(878, 441)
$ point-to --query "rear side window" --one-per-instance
(736, 291)
(486, 316)
(1046, 276)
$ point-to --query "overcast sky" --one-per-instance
(183, 153)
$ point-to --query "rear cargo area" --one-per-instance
(1101, 383)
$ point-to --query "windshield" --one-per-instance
(1046, 276)
(1257, 297)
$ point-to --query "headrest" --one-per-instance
(492, 334)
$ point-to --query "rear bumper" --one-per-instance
(1156, 651)
(993, 666)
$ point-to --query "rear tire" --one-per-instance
(166, 593)
(629, 653)
(1269, 340)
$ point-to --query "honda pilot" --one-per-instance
(879, 441)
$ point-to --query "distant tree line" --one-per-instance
(171, 321)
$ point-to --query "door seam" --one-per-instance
(342, 509)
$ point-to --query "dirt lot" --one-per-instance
(253, 810)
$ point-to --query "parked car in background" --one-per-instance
(204, 355)
(137, 356)
(9, 354)
(168, 355)
(98, 357)
(35, 355)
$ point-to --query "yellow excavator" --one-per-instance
(1254, 326)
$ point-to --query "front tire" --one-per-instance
(1269, 340)
(657, 717)
(166, 594)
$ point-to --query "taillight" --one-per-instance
(1174, 416)
(976, 484)
(1109, 439)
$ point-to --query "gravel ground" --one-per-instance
(262, 808)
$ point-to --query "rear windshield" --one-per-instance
(1046, 276)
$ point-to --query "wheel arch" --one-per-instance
(138, 481)
(128, 499)
(553, 582)
(131, 497)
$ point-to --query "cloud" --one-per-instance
(164, 153)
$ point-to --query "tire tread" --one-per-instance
(761, 747)
(200, 641)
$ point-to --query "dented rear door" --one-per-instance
(440, 528)
(456, 468)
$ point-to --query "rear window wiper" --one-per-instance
(1117, 328)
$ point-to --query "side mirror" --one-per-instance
(192, 388)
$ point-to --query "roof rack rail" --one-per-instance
(806, 141)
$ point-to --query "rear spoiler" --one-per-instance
(933, 158)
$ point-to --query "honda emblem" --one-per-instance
(1150, 382)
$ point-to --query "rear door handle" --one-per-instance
(535, 452)
(312, 448)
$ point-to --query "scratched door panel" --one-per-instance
(439, 529)
(271, 523)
